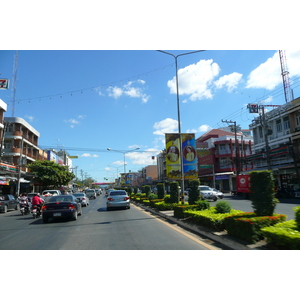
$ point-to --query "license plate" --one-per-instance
(57, 214)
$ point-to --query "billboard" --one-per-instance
(181, 153)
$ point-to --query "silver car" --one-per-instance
(118, 198)
(207, 192)
(83, 199)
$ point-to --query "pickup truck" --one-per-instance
(8, 202)
(47, 194)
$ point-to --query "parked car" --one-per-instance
(207, 192)
(118, 198)
(8, 202)
(83, 199)
(61, 206)
(219, 193)
(91, 193)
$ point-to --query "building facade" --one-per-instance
(277, 143)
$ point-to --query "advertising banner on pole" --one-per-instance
(173, 156)
(184, 153)
(189, 156)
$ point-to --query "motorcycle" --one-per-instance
(36, 211)
(24, 209)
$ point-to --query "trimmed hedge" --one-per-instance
(164, 206)
(283, 236)
(210, 218)
(247, 226)
(180, 209)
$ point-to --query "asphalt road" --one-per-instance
(97, 229)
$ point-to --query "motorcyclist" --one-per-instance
(23, 199)
(36, 200)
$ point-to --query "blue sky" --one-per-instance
(126, 99)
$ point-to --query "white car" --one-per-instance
(219, 193)
(208, 193)
(118, 199)
(83, 199)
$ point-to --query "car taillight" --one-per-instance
(44, 207)
(83, 198)
(71, 206)
(126, 198)
(110, 199)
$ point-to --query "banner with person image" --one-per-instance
(189, 156)
(187, 153)
(173, 156)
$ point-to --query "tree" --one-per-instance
(48, 173)
(194, 192)
(160, 190)
(263, 193)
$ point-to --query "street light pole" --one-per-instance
(178, 112)
(124, 152)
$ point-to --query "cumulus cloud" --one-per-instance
(74, 121)
(196, 80)
(165, 126)
(129, 90)
(229, 81)
(268, 74)
(143, 158)
(202, 128)
(30, 118)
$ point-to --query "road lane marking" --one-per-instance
(182, 231)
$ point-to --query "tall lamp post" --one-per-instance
(178, 111)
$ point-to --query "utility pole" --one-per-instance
(237, 168)
(266, 132)
(20, 167)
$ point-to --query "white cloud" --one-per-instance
(129, 90)
(196, 80)
(230, 81)
(268, 74)
(89, 155)
(143, 158)
(114, 92)
(165, 126)
(202, 128)
(30, 118)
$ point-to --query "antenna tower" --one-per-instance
(288, 92)
(15, 83)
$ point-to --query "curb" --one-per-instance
(219, 237)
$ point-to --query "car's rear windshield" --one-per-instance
(117, 193)
(205, 188)
(60, 199)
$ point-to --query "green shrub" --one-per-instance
(202, 204)
(297, 215)
(147, 190)
(283, 236)
(209, 218)
(263, 193)
(194, 192)
(160, 190)
(167, 199)
(152, 196)
(146, 202)
(179, 210)
(247, 226)
(223, 207)
(152, 202)
(164, 206)
(174, 192)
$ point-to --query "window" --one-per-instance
(278, 125)
(286, 123)
(298, 119)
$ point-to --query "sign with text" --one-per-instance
(4, 84)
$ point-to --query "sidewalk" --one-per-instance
(218, 237)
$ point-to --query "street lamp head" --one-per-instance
(108, 149)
